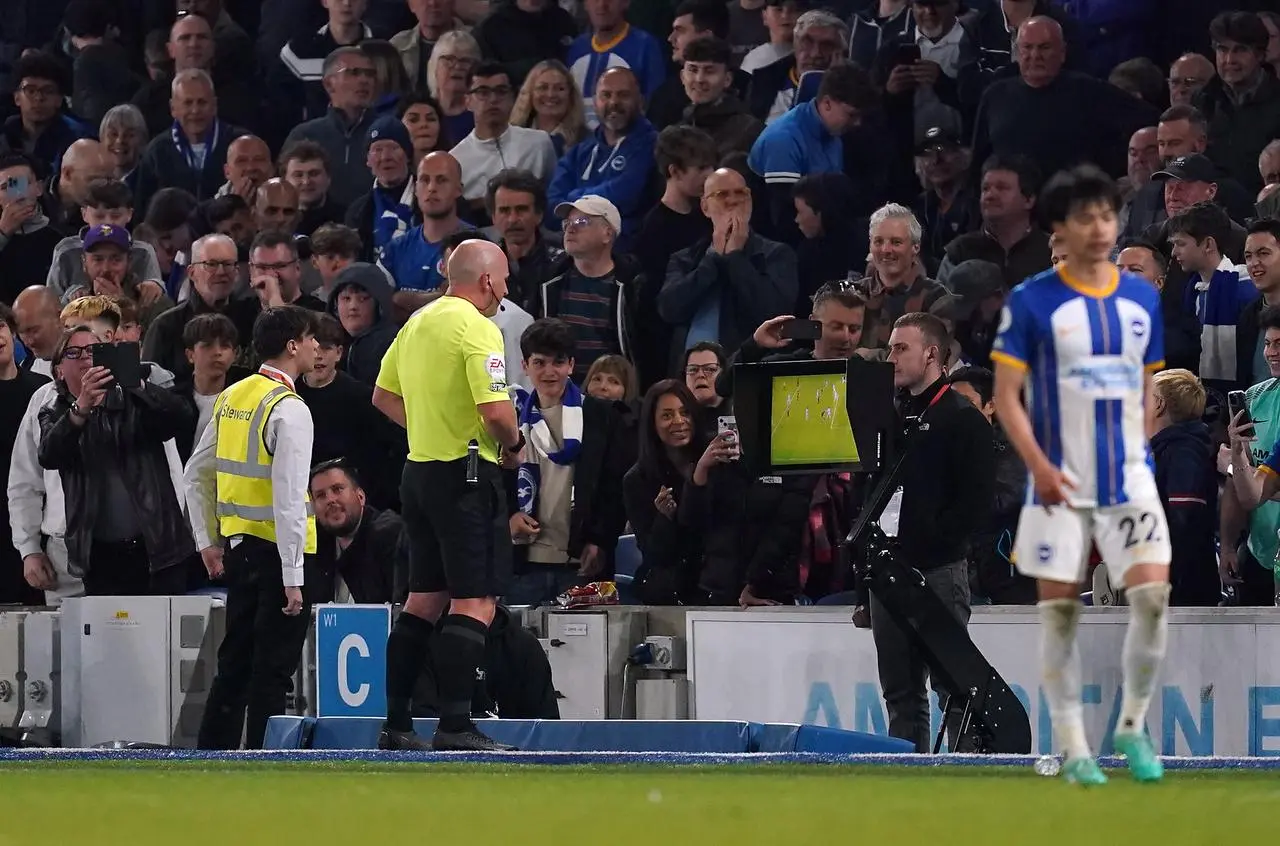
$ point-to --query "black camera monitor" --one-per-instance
(812, 416)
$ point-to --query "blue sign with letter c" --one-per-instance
(351, 660)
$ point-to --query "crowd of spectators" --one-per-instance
(667, 178)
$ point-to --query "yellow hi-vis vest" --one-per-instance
(243, 462)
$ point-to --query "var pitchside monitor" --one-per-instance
(809, 422)
(813, 416)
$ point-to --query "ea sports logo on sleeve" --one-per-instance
(1044, 553)
(1138, 328)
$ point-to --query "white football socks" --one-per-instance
(1145, 642)
(1061, 662)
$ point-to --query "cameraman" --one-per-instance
(947, 488)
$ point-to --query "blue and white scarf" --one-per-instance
(391, 217)
(541, 444)
(210, 141)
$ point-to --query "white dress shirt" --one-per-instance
(288, 436)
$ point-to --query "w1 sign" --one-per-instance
(351, 660)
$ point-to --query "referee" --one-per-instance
(445, 380)
(251, 516)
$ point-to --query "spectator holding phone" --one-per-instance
(27, 240)
(839, 312)
(654, 490)
(1248, 566)
(126, 533)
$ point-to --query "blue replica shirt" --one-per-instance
(415, 263)
(1086, 357)
(632, 48)
(796, 145)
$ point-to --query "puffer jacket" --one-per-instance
(133, 427)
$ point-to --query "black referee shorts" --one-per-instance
(459, 537)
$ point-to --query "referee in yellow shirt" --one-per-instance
(444, 379)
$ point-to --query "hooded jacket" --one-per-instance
(362, 358)
(728, 122)
(1187, 480)
(618, 172)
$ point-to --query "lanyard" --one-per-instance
(276, 376)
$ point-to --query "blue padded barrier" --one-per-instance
(674, 736)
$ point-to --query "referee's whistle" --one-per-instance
(473, 464)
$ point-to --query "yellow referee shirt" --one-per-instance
(445, 361)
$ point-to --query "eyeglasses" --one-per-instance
(358, 73)
(704, 369)
(77, 353)
(727, 193)
(575, 222)
(457, 61)
(39, 91)
(275, 267)
(217, 266)
(498, 92)
(1185, 82)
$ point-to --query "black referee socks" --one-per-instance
(407, 648)
(458, 649)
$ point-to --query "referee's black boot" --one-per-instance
(390, 739)
(469, 740)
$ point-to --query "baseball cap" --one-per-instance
(951, 307)
(975, 280)
(938, 138)
(1193, 168)
(594, 205)
(105, 233)
(389, 128)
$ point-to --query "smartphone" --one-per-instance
(908, 54)
(15, 187)
(728, 425)
(798, 329)
(1236, 403)
(124, 361)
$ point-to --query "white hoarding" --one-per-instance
(1219, 691)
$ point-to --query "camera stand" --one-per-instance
(993, 718)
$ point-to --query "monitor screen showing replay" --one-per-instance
(809, 422)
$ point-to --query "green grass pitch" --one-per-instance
(810, 421)
(237, 804)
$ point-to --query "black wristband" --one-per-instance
(519, 445)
